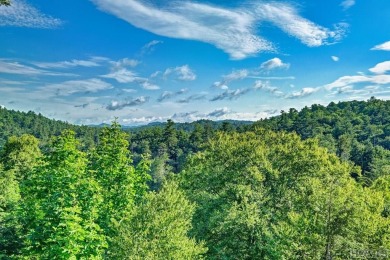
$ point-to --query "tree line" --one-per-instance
(288, 187)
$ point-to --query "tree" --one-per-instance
(157, 228)
(121, 183)
(272, 196)
(19, 156)
(60, 206)
(5, 2)
(9, 229)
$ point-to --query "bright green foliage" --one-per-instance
(157, 228)
(59, 207)
(113, 170)
(264, 195)
(9, 198)
(142, 177)
(20, 154)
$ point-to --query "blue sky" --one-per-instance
(88, 62)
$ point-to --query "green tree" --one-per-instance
(157, 228)
(9, 198)
(60, 206)
(5, 2)
(272, 196)
(20, 154)
(112, 167)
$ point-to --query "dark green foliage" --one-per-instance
(350, 129)
(243, 192)
(5, 2)
(265, 195)
(15, 123)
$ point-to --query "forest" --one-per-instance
(308, 184)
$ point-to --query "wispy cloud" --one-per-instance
(347, 4)
(66, 64)
(274, 63)
(234, 75)
(219, 112)
(71, 87)
(13, 67)
(118, 105)
(22, 14)
(123, 63)
(381, 68)
(169, 95)
(183, 73)
(286, 17)
(232, 30)
(350, 80)
(194, 97)
(266, 86)
(302, 93)
(382, 47)
(230, 95)
(150, 47)
(124, 76)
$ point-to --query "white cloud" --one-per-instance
(231, 95)
(123, 63)
(302, 93)
(347, 4)
(234, 75)
(71, 87)
(21, 14)
(66, 64)
(149, 86)
(221, 85)
(232, 30)
(12, 67)
(287, 18)
(382, 47)
(350, 80)
(183, 73)
(335, 58)
(124, 76)
(118, 105)
(381, 68)
(274, 63)
(266, 86)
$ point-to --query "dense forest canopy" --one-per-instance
(309, 184)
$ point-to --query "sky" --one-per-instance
(91, 61)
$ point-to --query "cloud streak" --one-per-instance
(382, 47)
(118, 105)
(13, 67)
(231, 94)
(232, 30)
